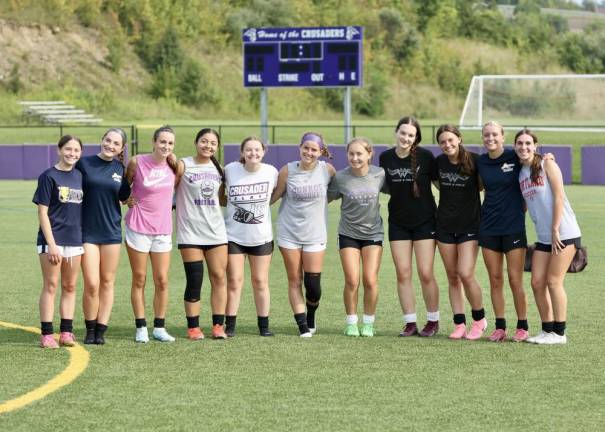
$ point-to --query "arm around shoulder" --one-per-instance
(280, 187)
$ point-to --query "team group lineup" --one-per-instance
(79, 208)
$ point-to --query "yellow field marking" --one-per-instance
(78, 361)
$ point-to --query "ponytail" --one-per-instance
(415, 188)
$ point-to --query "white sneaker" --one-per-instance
(306, 334)
(553, 339)
(313, 330)
(160, 334)
(536, 338)
(142, 335)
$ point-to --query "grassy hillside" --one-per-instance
(157, 59)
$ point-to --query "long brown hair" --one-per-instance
(536, 163)
(409, 120)
(465, 159)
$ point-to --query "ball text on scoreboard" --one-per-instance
(303, 57)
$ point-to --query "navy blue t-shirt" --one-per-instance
(61, 192)
(104, 186)
(503, 210)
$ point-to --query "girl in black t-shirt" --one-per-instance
(59, 200)
(458, 228)
(409, 171)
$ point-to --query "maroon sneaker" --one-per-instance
(430, 329)
(410, 329)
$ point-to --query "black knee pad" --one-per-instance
(312, 287)
(194, 274)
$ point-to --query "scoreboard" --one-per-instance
(303, 57)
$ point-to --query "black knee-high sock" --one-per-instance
(311, 308)
(301, 321)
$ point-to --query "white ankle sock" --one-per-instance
(369, 319)
(351, 319)
(409, 318)
(432, 316)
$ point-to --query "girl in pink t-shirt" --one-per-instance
(149, 230)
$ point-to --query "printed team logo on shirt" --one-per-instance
(453, 179)
(156, 177)
(116, 177)
(69, 195)
(402, 174)
(506, 167)
(250, 201)
(306, 192)
(364, 197)
(206, 193)
(529, 187)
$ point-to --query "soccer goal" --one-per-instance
(545, 102)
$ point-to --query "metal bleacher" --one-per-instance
(56, 112)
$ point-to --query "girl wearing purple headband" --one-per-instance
(302, 238)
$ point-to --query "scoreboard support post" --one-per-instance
(348, 135)
(264, 115)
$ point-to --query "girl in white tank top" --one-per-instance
(558, 236)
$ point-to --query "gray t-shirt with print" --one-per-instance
(360, 207)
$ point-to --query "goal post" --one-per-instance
(545, 102)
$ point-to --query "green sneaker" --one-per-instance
(352, 330)
(367, 330)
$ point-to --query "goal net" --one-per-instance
(547, 102)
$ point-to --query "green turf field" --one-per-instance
(328, 382)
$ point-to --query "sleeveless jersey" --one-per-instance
(199, 217)
(303, 212)
(539, 199)
(153, 188)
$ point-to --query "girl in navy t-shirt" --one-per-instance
(502, 229)
(104, 185)
(59, 199)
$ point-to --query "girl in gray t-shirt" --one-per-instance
(360, 232)
(302, 227)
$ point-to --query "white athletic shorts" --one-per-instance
(148, 242)
(66, 251)
(315, 247)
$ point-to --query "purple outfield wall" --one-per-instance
(279, 155)
(593, 162)
(26, 162)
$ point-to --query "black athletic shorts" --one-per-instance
(349, 242)
(456, 238)
(543, 247)
(202, 247)
(504, 243)
(259, 250)
(423, 232)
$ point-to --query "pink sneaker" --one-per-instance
(48, 341)
(459, 332)
(477, 329)
(520, 335)
(498, 335)
(67, 339)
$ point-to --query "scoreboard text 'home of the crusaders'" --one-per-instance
(303, 57)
